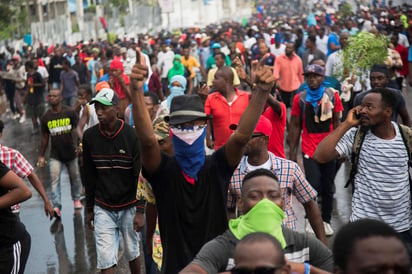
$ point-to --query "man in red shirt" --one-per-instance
(403, 52)
(226, 105)
(316, 112)
(119, 82)
(276, 113)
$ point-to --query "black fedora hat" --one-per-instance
(186, 108)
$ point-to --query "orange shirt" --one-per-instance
(224, 114)
(289, 72)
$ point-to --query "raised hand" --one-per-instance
(139, 73)
(264, 76)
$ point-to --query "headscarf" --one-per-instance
(176, 91)
(177, 69)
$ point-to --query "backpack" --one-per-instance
(406, 134)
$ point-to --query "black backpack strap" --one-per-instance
(356, 147)
(406, 133)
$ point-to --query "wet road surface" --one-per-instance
(68, 246)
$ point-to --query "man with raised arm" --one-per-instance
(190, 188)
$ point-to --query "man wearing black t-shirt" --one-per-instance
(59, 123)
(34, 95)
(190, 188)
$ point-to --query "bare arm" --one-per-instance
(326, 151)
(247, 123)
(82, 122)
(193, 269)
(336, 119)
(315, 219)
(295, 127)
(36, 183)
(406, 119)
(151, 156)
(18, 191)
(274, 104)
(44, 143)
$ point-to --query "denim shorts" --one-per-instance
(107, 225)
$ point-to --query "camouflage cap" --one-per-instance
(160, 128)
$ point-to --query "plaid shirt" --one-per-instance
(15, 161)
(292, 182)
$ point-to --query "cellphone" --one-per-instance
(202, 83)
(357, 116)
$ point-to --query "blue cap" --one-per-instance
(216, 46)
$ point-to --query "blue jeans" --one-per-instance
(107, 225)
(55, 173)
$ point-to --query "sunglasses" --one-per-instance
(258, 270)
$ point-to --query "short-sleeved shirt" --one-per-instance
(381, 185)
(35, 94)
(275, 144)
(333, 39)
(189, 214)
(225, 114)
(311, 140)
(60, 126)
(289, 71)
(217, 255)
(70, 80)
(15, 161)
(190, 63)
(292, 182)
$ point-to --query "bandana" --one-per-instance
(174, 91)
(189, 150)
(265, 216)
(313, 96)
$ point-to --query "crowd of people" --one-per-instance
(193, 138)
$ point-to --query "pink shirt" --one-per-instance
(289, 72)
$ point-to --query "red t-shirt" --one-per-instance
(310, 141)
(118, 88)
(276, 139)
(224, 114)
(403, 52)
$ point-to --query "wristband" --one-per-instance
(307, 268)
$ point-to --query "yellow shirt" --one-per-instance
(190, 64)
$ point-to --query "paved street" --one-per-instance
(69, 247)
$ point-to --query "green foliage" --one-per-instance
(345, 10)
(111, 37)
(91, 9)
(363, 51)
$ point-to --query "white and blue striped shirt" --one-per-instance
(382, 189)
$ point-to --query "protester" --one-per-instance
(291, 178)
(383, 149)
(111, 177)
(315, 113)
(190, 186)
(262, 206)
(59, 125)
(367, 245)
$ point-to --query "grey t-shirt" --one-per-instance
(217, 255)
(70, 80)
